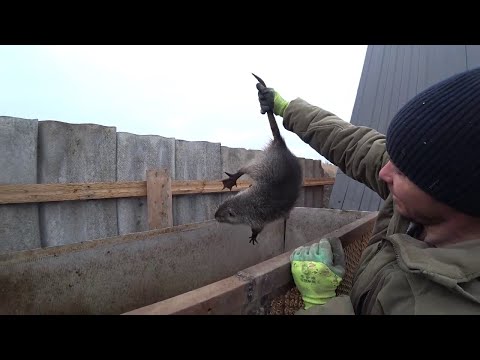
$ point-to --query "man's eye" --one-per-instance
(398, 172)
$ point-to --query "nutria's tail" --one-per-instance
(271, 119)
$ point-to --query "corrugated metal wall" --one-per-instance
(392, 75)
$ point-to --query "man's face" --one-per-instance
(411, 201)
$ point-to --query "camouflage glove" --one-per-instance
(317, 270)
(271, 100)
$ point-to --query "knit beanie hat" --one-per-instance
(435, 141)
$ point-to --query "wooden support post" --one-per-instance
(159, 199)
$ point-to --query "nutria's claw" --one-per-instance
(259, 80)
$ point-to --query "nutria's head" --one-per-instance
(228, 212)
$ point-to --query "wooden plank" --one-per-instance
(213, 299)
(33, 193)
(159, 199)
(234, 294)
(184, 187)
(201, 187)
(319, 181)
(29, 193)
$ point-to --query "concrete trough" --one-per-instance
(168, 271)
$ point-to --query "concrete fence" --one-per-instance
(43, 152)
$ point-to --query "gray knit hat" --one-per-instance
(435, 141)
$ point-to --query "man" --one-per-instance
(424, 254)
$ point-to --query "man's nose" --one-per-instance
(386, 172)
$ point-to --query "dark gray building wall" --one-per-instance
(392, 75)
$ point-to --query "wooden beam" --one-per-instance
(30, 193)
(159, 199)
(204, 187)
(318, 182)
(35, 193)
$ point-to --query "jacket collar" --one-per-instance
(449, 266)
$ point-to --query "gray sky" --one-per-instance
(194, 92)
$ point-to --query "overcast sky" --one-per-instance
(194, 92)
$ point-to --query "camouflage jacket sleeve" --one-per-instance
(358, 151)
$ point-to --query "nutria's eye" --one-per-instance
(231, 213)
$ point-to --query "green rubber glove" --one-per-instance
(271, 100)
(317, 270)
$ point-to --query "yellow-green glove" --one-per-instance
(317, 270)
(270, 100)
